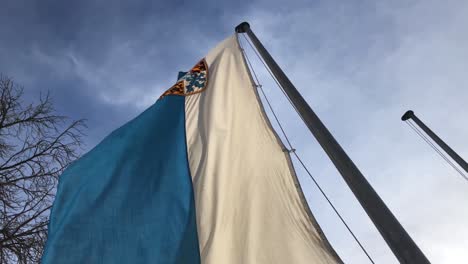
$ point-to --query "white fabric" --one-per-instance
(249, 207)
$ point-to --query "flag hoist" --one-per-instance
(202, 177)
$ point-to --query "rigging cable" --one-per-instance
(434, 147)
(291, 149)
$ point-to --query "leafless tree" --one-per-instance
(36, 145)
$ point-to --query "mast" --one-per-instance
(404, 248)
(454, 155)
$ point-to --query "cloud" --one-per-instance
(360, 65)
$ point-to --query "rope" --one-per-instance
(258, 85)
(434, 147)
(272, 76)
(291, 149)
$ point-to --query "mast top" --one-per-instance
(409, 114)
(242, 27)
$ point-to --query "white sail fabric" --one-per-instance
(250, 208)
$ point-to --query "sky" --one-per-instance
(359, 64)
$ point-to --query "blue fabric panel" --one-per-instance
(130, 199)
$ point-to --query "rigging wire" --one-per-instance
(291, 149)
(434, 147)
(273, 77)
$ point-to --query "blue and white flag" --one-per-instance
(199, 177)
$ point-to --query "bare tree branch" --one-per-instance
(36, 145)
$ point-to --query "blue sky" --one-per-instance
(360, 65)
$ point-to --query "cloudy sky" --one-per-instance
(360, 65)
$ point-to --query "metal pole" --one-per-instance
(410, 115)
(404, 248)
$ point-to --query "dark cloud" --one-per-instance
(81, 51)
(360, 64)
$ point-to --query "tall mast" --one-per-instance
(410, 115)
(404, 248)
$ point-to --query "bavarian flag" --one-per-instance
(199, 177)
